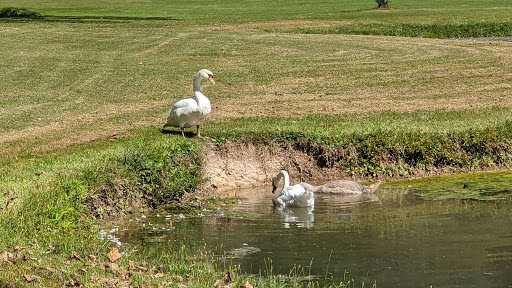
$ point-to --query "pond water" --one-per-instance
(392, 238)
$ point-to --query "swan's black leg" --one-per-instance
(198, 131)
(182, 131)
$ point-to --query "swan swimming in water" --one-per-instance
(191, 111)
(291, 196)
(334, 187)
(341, 187)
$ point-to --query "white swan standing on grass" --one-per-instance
(191, 111)
(291, 196)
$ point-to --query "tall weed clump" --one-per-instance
(163, 171)
(146, 171)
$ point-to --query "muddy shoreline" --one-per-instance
(237, 165)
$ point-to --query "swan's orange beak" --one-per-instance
(274, 189)
(211, 80)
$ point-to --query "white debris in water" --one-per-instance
(107, 236)
(245, 244)
(157, 215)
(206, 210)
(200, 214)
(181, 216)
(137, 219)
(143, 216)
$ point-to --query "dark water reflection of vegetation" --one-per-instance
(395, 238)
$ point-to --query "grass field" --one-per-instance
(85, 83)
(68, 81)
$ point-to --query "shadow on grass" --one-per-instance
(178, 132)
(84, 19)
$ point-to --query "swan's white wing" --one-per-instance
(183, 113)
(305, 199)
(186, 105)
(295, 196)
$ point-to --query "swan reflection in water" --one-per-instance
(303, 217)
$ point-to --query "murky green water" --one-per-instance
(393, 238)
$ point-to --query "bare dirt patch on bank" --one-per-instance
(237, 165)
(242, 165)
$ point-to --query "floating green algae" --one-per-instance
(472, 186)
(244, 251)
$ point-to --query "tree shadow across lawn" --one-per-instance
(84, 19)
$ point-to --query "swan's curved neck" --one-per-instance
(197, 83)
(286, 179)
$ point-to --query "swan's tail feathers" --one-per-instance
(308, 187)
(371, 188)
(171, 122)
(167, 123)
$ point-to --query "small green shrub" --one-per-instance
(218, 141)
(13, 12)
(383, 4)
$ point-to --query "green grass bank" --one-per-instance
(58, 201)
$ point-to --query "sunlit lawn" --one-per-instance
(88, 72)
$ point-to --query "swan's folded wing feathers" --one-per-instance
(296, 196)
(290, 193)
(342, 186)
(296, 190)
(188, 103)
(303, 200)
(287, 194)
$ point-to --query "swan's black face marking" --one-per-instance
(274, 189)
(210, 78)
